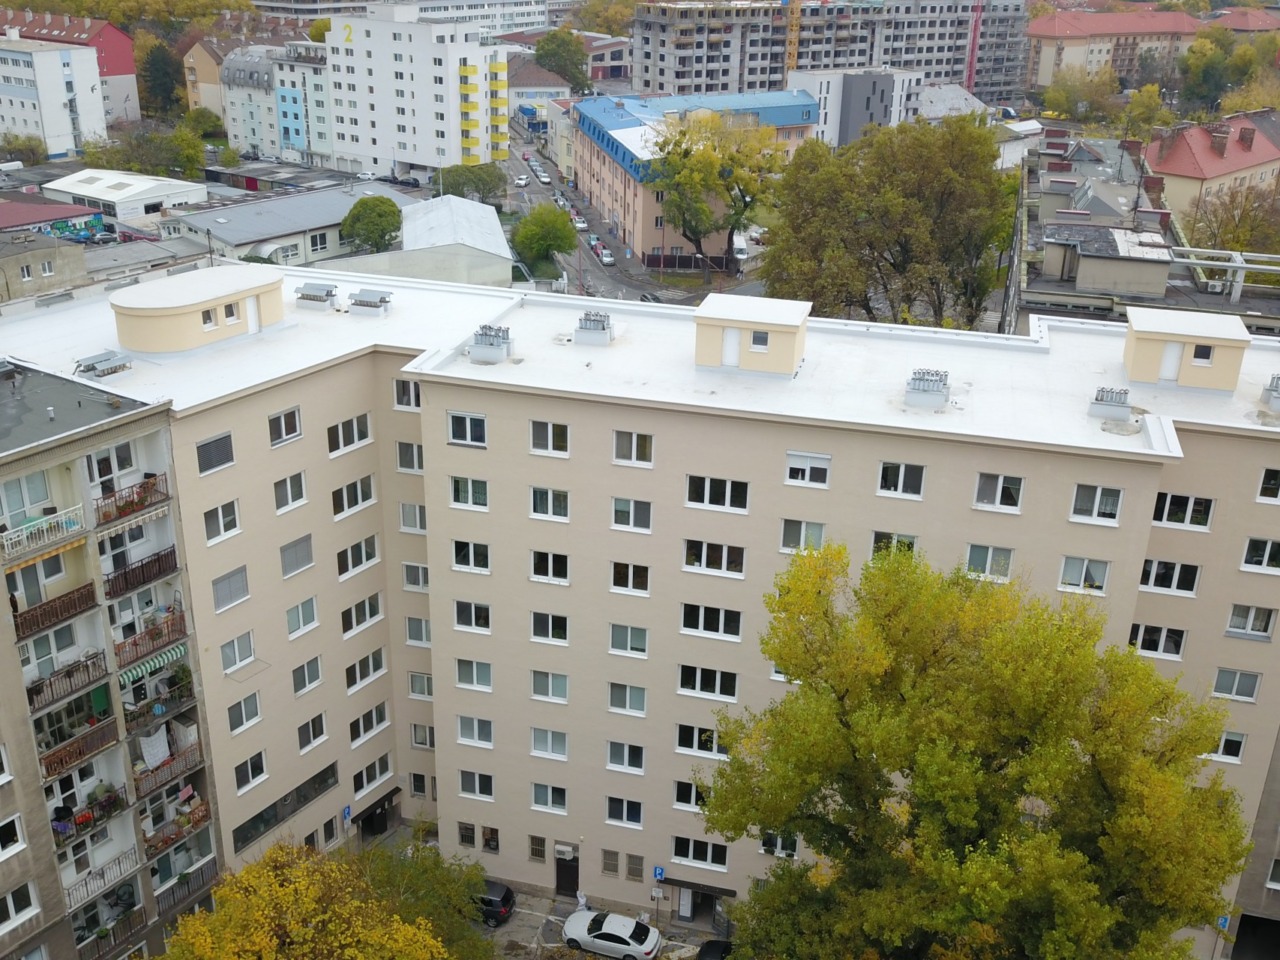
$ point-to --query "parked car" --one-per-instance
(522, 180)
(530, 159)
(579, 224)
(543, 178)
(715, 950)
(269, 158)
(387, 178)
(606, 257)
(104, 238)
(650, 298)
(248, 155)
(497, 904)
(410, 182)
(592, 240)
(611, 935)
(525, 156)
(561, 203)
(366, 175)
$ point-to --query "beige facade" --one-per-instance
(32, 264)
(1121, 41)
(202, 67)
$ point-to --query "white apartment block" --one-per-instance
(849, 100)
(302, 103)
(311, 9)
(604, 496)
(52, 91)
(249, 100)
(490, 18)
(414, 94)
(739, 46)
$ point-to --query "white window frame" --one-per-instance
(462, 429)
(982, 559)
(372, 776)
(350, 434)
(626, 694)
(456, 485)
(544, 741)
(422, 736)
(690, 858)
(1151, 568)
(620, 756)
(286, 486)
(305, 616)
(369, 724)
(801, 534)
(801, 467)
(1269, 486)
(479, 781)
(551, 564)
(554, 498)
(357, 556)
(361, 615)
(622, 641)
(233, 577)
(716, 493)
(421, 626)
(694, 792)
(627, 449)
(471, 732)
(549, 793)
(554, 439)
(355, 489)
(1220, 752)
(1249, 614)
(702, 615)
(1270, 556)
(287, 552)
(225, 518)
(471, 557)
(213, 444)
(699, 736)
(250, 713)
(286, 432)
(698, 555)
(238, 647)
(692, 681)
(552, 681)
(544, 627)
(308, 683)
(898, 474)
(367, 669)
(252, 779)
(626, 808)
(317, 732)
(634, 516)
(998, 491)
(1085, 584)
(415, 577)
(1100, 495)
(628, 570)
(1165, 502)
(474, 667)
(1235, 676)
(467, 616)
(427, 684)
(20, 837)
(410, 453)
(416, 514)
(1159, 643)
(406, 394)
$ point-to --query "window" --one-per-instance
(1176, 510)
(469, 493)
(901, 480)
(17, 905)
(422, 736)
(550, 566)
(471, 616)
(704, 557)
(214, 453)
(549, 438)
(5, 775)
(11, 837)
(538, 849)
(1168, 575)
(1230, 747)
(416, 577)
(759, 339)
(472, 784)
(475, 731)
(467, 428)
(418, 784)
(778, 845)
(712, 620)
(368, 723)
(631, 514)
(1152, 641)
(46, 268)
(413, 518)
(311, 733)
(714, 492)
(1251, 623)
(408, 457)
(306, 676)
(1095, 503)
(801, 534)
(630, 577)
(998, 492)
(372, 775)
(361, 613)
(550, 686)
(244, 713)
(702, 740)
(295, 556)
(628, 641)
(319, 241)
(301, 618)
(625, 698)
(549, 798)
(700, 853)
(808, 468)
(1263, 554)
(628, 757)
(550, 743)
(990, 562)
(1202, 353)
(1080, 573)
(408, 395)
(417, 631)
(705, 681)
(1236, 685)
(421, 686)
(290, 492)
(348, 434)
(1269, 489)
(365, 669)
(352, 496)
(549, 628)
(471, 557)
(251, 772)
(689, 795)
(475, 674)
(549, 504)
(466, 834)
(625, 812)
(635, 449)
(283, 427)
(360, 554)
(609, 863)
(236, 653)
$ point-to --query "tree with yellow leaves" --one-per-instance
(296, 904)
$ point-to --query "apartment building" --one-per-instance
(249, 100)
(52, 91)
(739, 46)
(105, 800)
(1121, 41)
(488, 19)
(1196, 162)
(850, 100)
(202, 68)
(414, 94)
(302, 103)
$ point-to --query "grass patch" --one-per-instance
(217, 142)
(685, 281)
(544, 270)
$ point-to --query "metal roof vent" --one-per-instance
(928, 388)
(595, 328)
(1111, 403)
(103, 364)
(1271, 393)
(365, 300)
(491, 344)
(317, 296)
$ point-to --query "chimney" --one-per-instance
(88, 22)
(11, 33)
(1219, 143)
(1246, 137)
(66, 19)
(29, 14)
(48, 18)
(1159, 133)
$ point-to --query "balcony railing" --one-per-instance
(95, 881)
(157, 709)
(39, 533)
(78, 749)
(141, 572)
(122, 503)
(52, 612)
(176, 830)
(152, 780)
(63, 683)
(118, 934)
(182, 890)
(155, 637)
(90, 817)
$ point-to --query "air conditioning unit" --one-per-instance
(564, 852)
(1214, 286)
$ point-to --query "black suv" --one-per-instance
(497, 904)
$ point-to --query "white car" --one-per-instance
(606, 257)
(579, 224)
(522, 180)
(366, 175)
(612, 935)
(543, 178)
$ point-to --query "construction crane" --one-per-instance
(971, 68)
(793, 36)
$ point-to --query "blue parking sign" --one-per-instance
(659, 873)
(1224, 922)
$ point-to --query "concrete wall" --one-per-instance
(454, 264)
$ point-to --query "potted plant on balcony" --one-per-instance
(180, 681)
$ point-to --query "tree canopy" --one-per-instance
(612, 17)
(372, 223)
(1145, 110)
(161, 87)
(546, 230)
(127, 13)
(1079, 95)
(563, 53)
(485, 180)
(203, 121)
(320, 29)
(29, 148)
(977, 781)
(296, 904)
(143, 149)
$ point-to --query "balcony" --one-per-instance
(158, 709)
(499, 136)
(498, 66)
(497, 84)
(68, 824)
(499, 102)
(184, 826)
(43, 532)
(140, 573)
(471, 141)
(468, 70)
(79, 749)
(67, 681)
(468, 88)
(470, 124)
(119, 934)
(52, 612)
(501, 154)
(189, 759)
(471, 160)
(95, 881)
(155, 637)
(118, 505)
(182, 890)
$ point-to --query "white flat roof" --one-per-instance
(194, 286)
(1187, 323)
(117, 185)
(728, 306)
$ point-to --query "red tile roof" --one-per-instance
(1190, 153)
(1245, 20)
(1064, 25)
(14, 214)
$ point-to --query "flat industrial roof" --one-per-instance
(37, 406)
(1188, 323)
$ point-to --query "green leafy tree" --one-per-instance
(563, 53)
(1079, 95)
(1242, 218)
(486, 181)
(28, 148)
(612, 17)
(372, 223)
(161, 87)
(228, 157)
(320, 29)
(961, 805)
(144, 150)
(546, 230)
(1145, 110)
(203, 121)
(1262, 91)
(1204, 72)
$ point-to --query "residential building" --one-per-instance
(292, 227)
(249, 100)
(849, 100)
(1197, 161)
(608, 58)
(32, 264)
(303, 107)
(740, 46)
(487, 19)
(1120, 41)
(1245, 21)
(116, 70)
(52, 91)
(561, 130)
(202, 67)
(562, 11)
(27, 212)
(531, 88)
(940, 100)
(414, 94)
(122, 195)
(310, 9)
(614, 144)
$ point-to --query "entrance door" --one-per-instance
(566, 872)
(1171, 362)
(375, 824)
(251, 312)
(730, 347)
(684, 905)
(29, 585)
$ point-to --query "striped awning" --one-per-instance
(130, 674)
(136, 520)
(45, 555)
